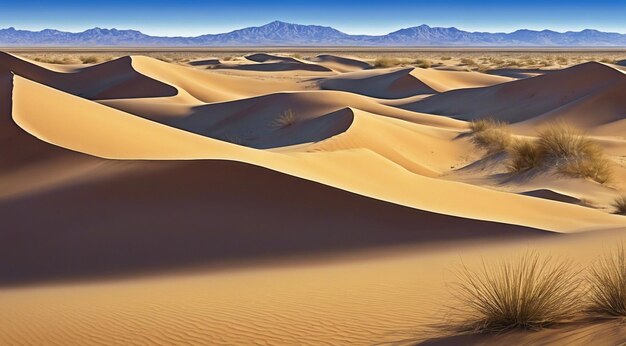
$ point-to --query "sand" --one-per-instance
(277, 200)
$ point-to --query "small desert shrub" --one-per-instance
(446, 58)
(573, 153)
(285, 119)
(530, 292)
(468, 62)
(607, 284)
(227, 58)
(89, 59)
(423, 63)
(491, 135)
(524, 155)
(386, 62)
(608, 61)
(565, 148)
(620, 205)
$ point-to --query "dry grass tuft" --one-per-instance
(285, 119)
(607, 284)
(573, 153)
(491, 135)
(530, 292)
(422, 63)
(620, 205)
(89, 59)
(386, 62)
(565, 148)
(524, 155)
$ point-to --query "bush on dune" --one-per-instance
(564, 147)
(386, 62)
(620, 205)
(285, 119)
(491, 135)
(531, 292)
(607, 284)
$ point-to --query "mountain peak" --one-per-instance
(283, 33)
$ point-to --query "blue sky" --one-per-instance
(188, 17)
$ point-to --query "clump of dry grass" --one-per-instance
(565, 148)
(524, 155)
(620, 205)
(490, 134)
(89, 59)
(285, 119)
(607, 284)
(422, 63)
(530, 292)
(386, 62)
(573, 153)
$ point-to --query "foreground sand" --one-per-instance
(389, 297)
(137, 195)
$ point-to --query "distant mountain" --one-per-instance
(287, 34)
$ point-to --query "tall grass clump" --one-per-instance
(530, 292)
(524, 155)
(422, 63)
(386, 62)
(565, 148)
(89, 59)
(607, 284)
(620, 205)
(573, 153)
(489, 134)
(285, 119)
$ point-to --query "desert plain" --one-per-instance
(294, 197)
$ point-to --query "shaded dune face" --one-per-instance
(529, 98)
(341, 64)
(387, 85)
(175, 215)
(115, 79)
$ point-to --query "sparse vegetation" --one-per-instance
(565, 148)
(530, 292)
(385, 62)
(89, 59)
(423, 63)
(491, 135)
(573, 153)
(620, 206)
(524, 155)
(285, 119)
(607, 284)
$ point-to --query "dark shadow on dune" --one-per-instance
(251, 122)
(207, 62)
(175, 215)
(390, 85)
(264, 57)
(116, 79)
(272, 67)
(518, 72)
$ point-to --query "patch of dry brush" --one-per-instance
(565, 148)
(530, 292)
(607, 284)
(490, 134)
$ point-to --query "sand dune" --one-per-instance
(408, 82)
(137, 167)
(529, 98)
(341, 64)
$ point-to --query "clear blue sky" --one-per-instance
(189, 17)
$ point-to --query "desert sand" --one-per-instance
(271, 199)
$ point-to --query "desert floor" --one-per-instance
(292, 197)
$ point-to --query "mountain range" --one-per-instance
(279, 33)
